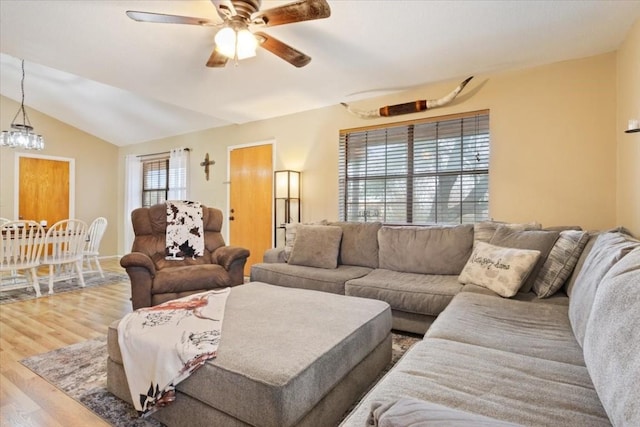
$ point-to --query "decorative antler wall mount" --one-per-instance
(408, 107)
(206, 164)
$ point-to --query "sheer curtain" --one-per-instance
(178, 174)
(132, 195)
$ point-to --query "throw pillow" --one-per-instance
(502, 270)
(484, 231)
(316, 246)
(538, 240)
(359, 243)
(560, 263)
(290, 235)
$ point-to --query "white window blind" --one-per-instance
(432, 171)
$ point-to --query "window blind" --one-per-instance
(155, 185)
(432, 171)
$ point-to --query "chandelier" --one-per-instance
(21, 134)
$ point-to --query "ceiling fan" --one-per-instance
(234, 40)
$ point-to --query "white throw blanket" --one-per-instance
(164, 344)
(185, 229)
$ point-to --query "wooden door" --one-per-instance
(43, 191)
(250, 200)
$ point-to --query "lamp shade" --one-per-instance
(287, 183)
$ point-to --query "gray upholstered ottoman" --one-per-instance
(287, 357)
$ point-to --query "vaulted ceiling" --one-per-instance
(89, 65)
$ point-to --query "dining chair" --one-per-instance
(64, 245)
(4, 220)
(92, 246)
(21, 247)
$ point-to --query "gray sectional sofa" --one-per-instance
(414, 269)
(566, 352)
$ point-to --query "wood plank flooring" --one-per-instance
(43, 324)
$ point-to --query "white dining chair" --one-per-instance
(64, 245)
(92, 247)
(4, 220)
(21, 247)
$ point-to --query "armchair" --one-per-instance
(155, 279)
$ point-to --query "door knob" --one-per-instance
(231, 218)
(232, 210)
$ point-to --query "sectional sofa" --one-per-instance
(534, 327)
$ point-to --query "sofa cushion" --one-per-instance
(607, 250)
(425, 250)
(483, 231)
(503, 270)
(538, 240)
(539, 330)
(612, 341)
(414, 412)
(298, 276)
(494, 383)
(408, 292)
(316, 246)
(560, 263)
(359, 244)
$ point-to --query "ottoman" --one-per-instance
(287, 357)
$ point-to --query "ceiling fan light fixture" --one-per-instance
(238, 44)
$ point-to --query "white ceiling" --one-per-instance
(89, 65)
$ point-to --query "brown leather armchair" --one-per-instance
(155, 280)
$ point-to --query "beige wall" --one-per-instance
(95, 162)
(553, 132)
(628, 188)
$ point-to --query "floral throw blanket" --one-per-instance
(164, 344)
(185, 230)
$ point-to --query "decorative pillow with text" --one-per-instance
(502, 270)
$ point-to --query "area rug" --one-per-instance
(80, 370)
(90, 280)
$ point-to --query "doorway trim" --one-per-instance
(72, 180)
(230, 148)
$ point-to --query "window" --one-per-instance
(424, 172)
(155, 182)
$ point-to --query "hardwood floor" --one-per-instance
(43, 324)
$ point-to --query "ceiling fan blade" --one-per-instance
(217, 60)
(225, 8)
(284, 51)
(302, 10)
(167, 19)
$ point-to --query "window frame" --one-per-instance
(403, 137)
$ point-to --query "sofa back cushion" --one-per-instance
(607, 250)
(612, 341)
(425, 250)
(359, 244)
(538, 240)
(483, 231)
